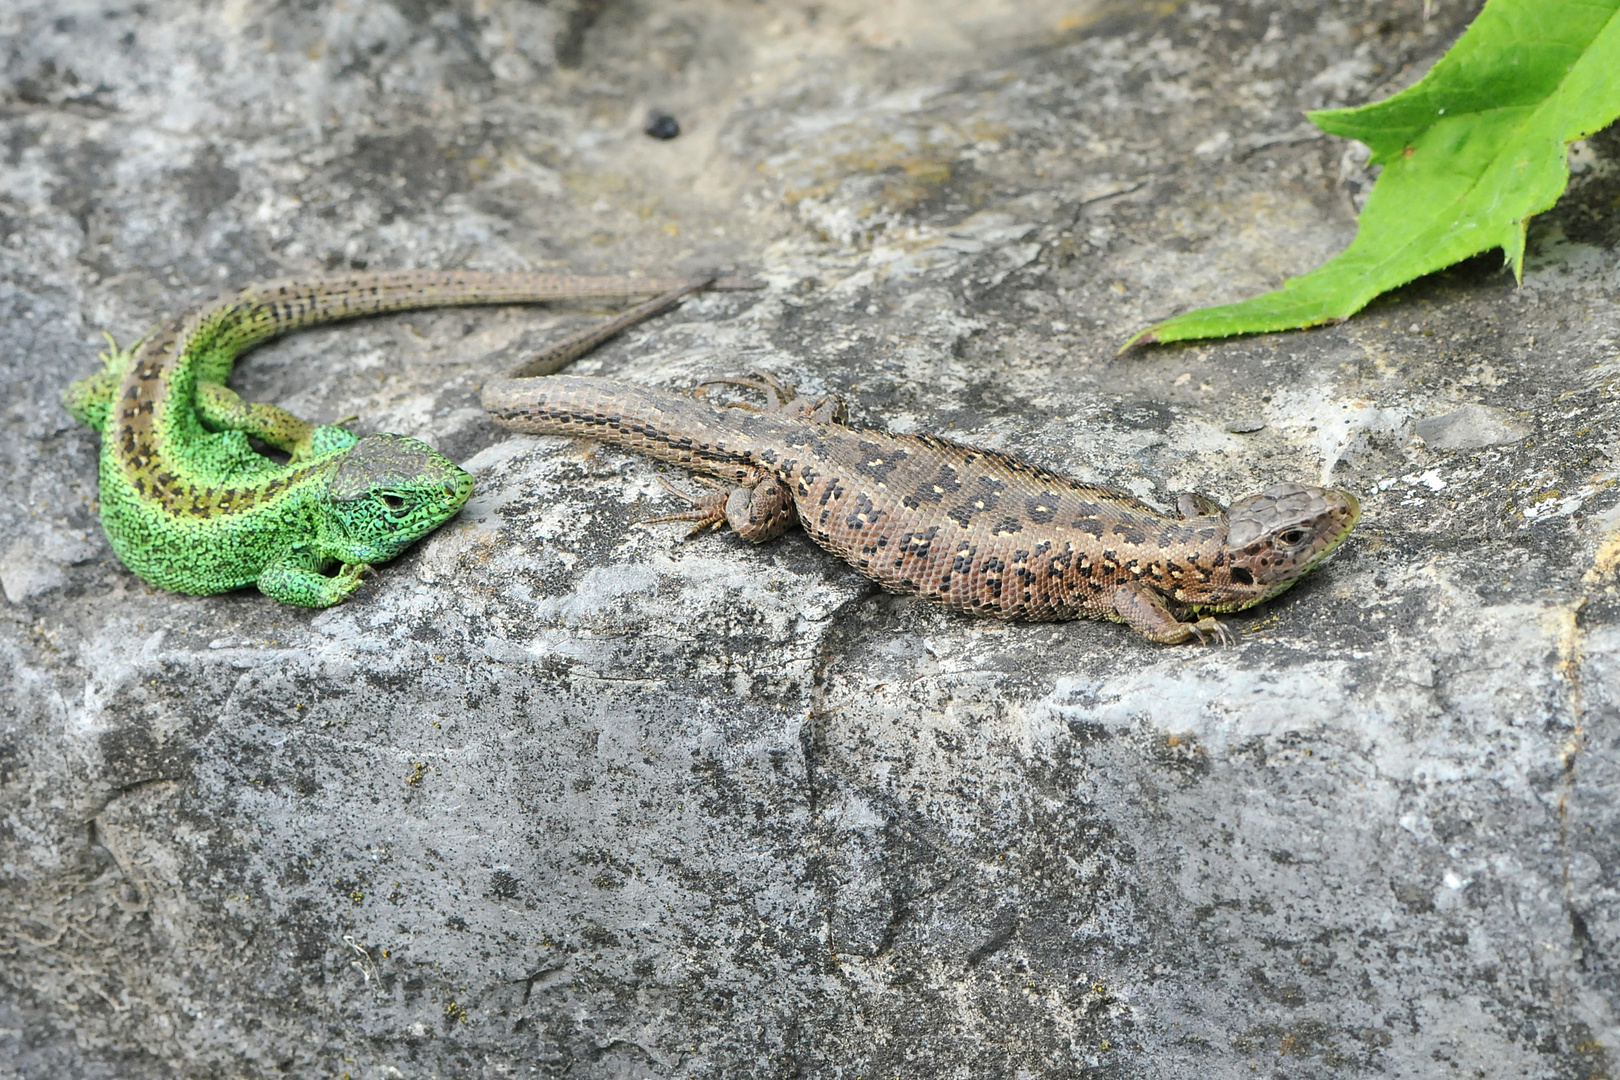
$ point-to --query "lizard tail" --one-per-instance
(531, 399)
(720, 442)
(279, 306)
(241, 320)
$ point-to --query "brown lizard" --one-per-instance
(976, 530)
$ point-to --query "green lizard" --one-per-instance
(189, 505)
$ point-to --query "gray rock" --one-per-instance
(24, 572)
(561, 794)
(37, 563)
(1470, 428)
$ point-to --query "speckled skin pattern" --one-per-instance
(976, 530)
(189, 505)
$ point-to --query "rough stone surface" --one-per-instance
(1471, 427)
(559, 794)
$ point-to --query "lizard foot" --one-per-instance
(758, 510)
(764, 382)
(296, 580)
(115, 359)
(1210, 629)
(90, 399)
(708, 511)
(826, 409)
(1145, 611)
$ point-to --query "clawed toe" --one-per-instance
(114, 357)
(694, 500)
(705, 521)
(708, 511)
(1209, 630)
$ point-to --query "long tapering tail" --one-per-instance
(263, 311)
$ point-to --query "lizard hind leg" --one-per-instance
(222, 409)
(764, 382)
(825, 409)
(707, 511)
(757, 511)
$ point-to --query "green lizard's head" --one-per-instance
(385, 494)
(1274, 537)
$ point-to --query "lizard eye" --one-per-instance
(393, 502)
(1292, 537)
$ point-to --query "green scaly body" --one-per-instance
(189, 505)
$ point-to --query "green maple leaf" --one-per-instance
(1469, 154)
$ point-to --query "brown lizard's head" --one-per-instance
(1274, 537)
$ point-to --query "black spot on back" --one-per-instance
(1043, 508)
(877, 462)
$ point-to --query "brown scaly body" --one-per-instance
(976, 530)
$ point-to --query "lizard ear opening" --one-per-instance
(1191, 504)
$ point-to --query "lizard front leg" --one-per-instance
(1145, 611)
(296, 578)
(222, 409)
